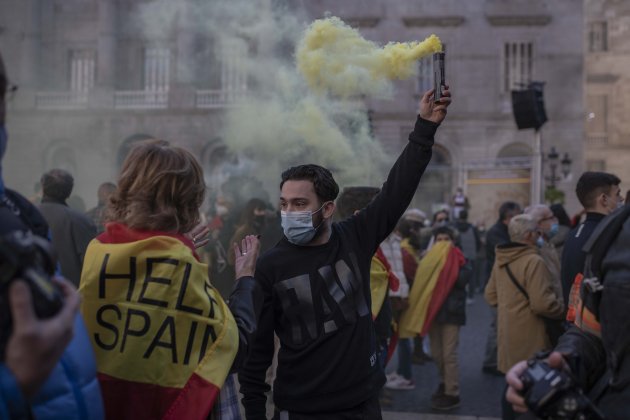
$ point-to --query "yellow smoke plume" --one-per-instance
(333, 57)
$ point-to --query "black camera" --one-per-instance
(553, 394)
(30, 258)
(439, 78)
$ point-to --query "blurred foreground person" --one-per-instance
(48, 371)
(596, 350)
(164, 339)
(70, 230)
(317, 289)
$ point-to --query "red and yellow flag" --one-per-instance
(436, 275)
(164, 339)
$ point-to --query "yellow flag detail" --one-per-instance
(412, 320)
(152, 314)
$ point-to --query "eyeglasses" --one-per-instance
(552, 217)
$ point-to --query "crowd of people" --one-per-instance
(332, 295)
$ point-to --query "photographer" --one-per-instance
(48, 370)
(598, 359)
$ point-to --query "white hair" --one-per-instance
(520, 226)
(537, 211)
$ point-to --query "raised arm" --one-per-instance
(379, 218)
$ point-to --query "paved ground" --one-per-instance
(480, 393)
(388, 415)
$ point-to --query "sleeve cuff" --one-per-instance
(423, 132)
(11, 396)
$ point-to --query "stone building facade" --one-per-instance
(607, 68)
(90, 84)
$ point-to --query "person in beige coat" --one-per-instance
(521, 330)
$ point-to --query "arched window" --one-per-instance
(59, 154)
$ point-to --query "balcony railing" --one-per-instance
(596, 140)
(141, 99)
(218, 98)
(61, 100)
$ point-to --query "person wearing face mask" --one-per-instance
(600, 195)
(317, 289)
(520, 287)
(548, 227)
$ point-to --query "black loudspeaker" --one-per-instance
(529, 107)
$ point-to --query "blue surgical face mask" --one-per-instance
(553, 231)
(540, 242)
(298, 226)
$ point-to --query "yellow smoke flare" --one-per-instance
(334, 57)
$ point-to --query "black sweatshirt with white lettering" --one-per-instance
(317, 300)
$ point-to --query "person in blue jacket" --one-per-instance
(49, 370)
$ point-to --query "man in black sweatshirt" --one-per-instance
(317, 291)
(600, 195)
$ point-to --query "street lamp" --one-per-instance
(565, 163)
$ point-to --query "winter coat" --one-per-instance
(520, 328)
(71, 391)
(71, 232)
(591, 356)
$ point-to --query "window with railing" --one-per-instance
(82, 69)
(156, 82)
(597, 36)
(233, 79)
(157, 69)
(518, 65)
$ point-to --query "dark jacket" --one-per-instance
(71, 232)
(592, 356)
(71, 391)
(453, 310)
(572, 256)
(497, 235)
(317, 301)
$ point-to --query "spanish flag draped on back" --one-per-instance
(435, 278)
(163, 337)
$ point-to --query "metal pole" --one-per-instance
(536, 176)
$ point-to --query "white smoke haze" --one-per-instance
(281, 122)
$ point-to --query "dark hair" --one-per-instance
(435, 215)
(323, 182)
(247, 215)
(444, 230)
(561, 214)
(463, 215)
(57, 184)
(508, 207)
(105, 190)
(352, 199)
(592, 184)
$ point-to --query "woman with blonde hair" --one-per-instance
(164, 339)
